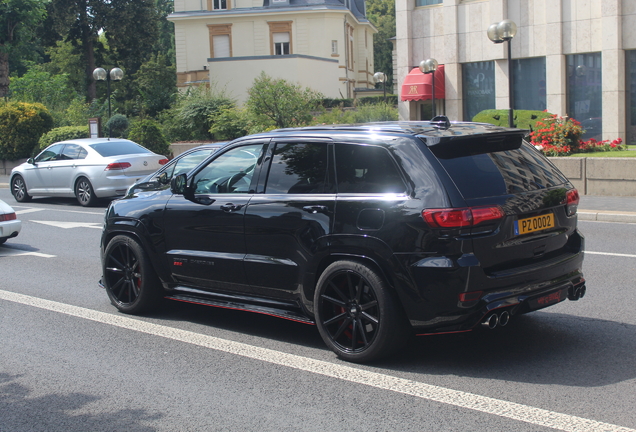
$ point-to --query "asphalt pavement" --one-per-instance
(591, 207)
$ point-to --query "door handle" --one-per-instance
(313, 209)
(229, 207)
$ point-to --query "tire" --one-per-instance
(356, 314)
(84, 192)
(130, 281)
(19, 189)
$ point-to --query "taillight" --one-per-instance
(470, 296)
(461, 217)
(164, 161)
(7, 217)
(117, 166)
(572, 202)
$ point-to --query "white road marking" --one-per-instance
(511, 410)
(28, 210)
(67, 225)
(611, 254)
(17, 252)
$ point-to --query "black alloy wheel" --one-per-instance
(84, 192)
(357, 316)
(129, 279)
(19, 190)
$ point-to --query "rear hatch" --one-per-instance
(536, 227)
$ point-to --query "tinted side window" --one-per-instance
(366, 169)
(50, 153)
(298, 168)
(72, 151)
(231, 172)
(186, 163)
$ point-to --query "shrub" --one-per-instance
(362, 114)
(229, 123)
(377, 100)
(336, 103)
(117, 126)
(62, 134)
(190, 120)
(147, 133)
(557, 135)
(523, 119)
(21, 126)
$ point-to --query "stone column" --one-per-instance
(613, 70)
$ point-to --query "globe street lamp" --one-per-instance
(115, 74)
(430, 66)
(380, 77)
(499, 33)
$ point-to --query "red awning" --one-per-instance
(417, 85)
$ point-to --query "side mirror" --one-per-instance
(163, 178)
(179, 185)
(31, 161)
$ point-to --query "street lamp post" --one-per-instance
(115, 74)
(499, 33)
(380, 77)
(430, 66)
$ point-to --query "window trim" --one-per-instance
(219, 30)
(210, 5)
(280, 27)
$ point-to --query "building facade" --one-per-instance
(573, 58)
(326, 45)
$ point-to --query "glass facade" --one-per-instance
(584, 92)
(478, 83)
(529, 83)
(631, 96)
(427, 2)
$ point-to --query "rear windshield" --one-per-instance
(502, 173)
(117, 148)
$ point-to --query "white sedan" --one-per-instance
(10, 226)
(87, 169)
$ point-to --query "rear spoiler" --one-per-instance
(448, 147)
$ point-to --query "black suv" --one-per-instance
(371, 232)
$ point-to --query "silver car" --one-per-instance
(87, 169)
(10, 225)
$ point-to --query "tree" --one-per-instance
(156, 85)
(81, 22)
(381, 13)
(18, 19)
(280, 103)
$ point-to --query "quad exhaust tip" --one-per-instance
(577, 292)
(493, 320)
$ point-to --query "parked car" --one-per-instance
(87, 169)
(370, 232)
(182, 163)
(10, 225)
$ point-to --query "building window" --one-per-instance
(281, 43)
(334, 47)
(427, 2)
(478, 83)
(584, 92)
(280, 36)
(631, 96)
(218, 4)
(220, 40)
(529, 83)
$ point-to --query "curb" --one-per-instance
(606, 216)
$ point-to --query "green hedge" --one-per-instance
(21, 126)
(146, 132)
(63, 134)
(523, 119)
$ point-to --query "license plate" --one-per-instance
(536, 223)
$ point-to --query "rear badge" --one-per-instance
(536, 223)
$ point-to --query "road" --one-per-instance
(70, 362)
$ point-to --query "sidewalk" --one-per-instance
(591, 208)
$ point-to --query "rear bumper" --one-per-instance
(432, 302)
(10, 229)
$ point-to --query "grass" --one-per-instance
(618, 154)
